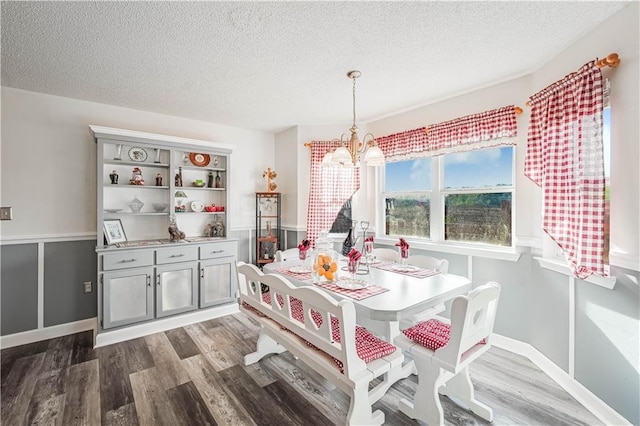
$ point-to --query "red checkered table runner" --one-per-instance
(359, 294)
(420, 273)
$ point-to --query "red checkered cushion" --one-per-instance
(368, 347)
(431, 334)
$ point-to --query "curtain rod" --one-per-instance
(611, 60)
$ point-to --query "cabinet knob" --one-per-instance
(127, 260)
(177, 255)
(201, 272)
(149, 280)
(158, 279)
(217, 251)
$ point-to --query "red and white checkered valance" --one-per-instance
(565, 158)
(483, 130)
(330, 188)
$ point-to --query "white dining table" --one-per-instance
(407, 295)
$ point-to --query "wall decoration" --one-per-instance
(114, 232)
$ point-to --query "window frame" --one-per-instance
(437, 195)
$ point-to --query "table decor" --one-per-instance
(403, 247)
(303, 248)
(356, 294)
(417, 273)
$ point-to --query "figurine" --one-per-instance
(210, 180)
(114, 177)
(218, 227)
(270, 175)
(218, 180)
(208, 230)
(158, 179)
(179, 177)
(136, 177)
(174, 233)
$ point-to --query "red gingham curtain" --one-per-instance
(330, 188)
(565, 158)
(483, 130)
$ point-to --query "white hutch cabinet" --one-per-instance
(147, 283)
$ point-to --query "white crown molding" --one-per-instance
(584, 396)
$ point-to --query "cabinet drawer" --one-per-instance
(211, 251)
(176, 254)
(128, 259)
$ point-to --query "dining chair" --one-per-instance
(288, 254)
(386, 255)
(442, 353)
(429, 262)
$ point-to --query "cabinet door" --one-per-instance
(218, 281)
(176, 288)
(127, 297)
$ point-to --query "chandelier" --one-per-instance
(349, 152)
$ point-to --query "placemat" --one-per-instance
(299, 276)
(420, 273)
(360, 294)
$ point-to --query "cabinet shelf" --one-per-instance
(197, 188)
(181, 213)
(110, 185)
(136, 214)
(137, 164)
(213, 169)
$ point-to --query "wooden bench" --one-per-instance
(321, 332)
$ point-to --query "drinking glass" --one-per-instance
(352, 267)
(302, 255)
(404, 255)
(368, 251)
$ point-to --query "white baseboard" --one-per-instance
(134, 331)
(46, 333)
(584, 396)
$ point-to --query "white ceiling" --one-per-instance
(271, 65)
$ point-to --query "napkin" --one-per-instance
(354, 255)
(403, 244)
(304, 245)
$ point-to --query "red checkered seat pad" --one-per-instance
(368, 347)
(431, 334)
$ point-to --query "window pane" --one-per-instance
(343, 220)
(482, 218)
(477, 169)
(407, 176)
(408, 216)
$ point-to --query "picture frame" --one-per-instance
(113, 231)
(268, 247)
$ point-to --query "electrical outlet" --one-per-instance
(6, 213)
(87, 287)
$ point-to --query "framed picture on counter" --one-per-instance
(114, 232)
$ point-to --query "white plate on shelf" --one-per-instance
(405, 268)
(351, 284)
(300, 269)
(197, 206)
(112, 210)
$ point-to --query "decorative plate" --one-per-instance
(300, 269)
(197, 206)
(112, 210)
(199, 160)
(351, 284)
(138, 154)
(405, 268)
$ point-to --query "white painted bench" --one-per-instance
(321, 332)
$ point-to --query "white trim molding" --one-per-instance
(562, 267)
(624, 260)
(584, 396)
(134, 331)
(48, 238)
(46, 333)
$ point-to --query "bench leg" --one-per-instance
(460, 387)
(266, 345)
(426, 404)
(360, 408)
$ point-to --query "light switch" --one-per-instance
(6, 213)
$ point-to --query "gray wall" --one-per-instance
(19, 291)
(67, 265)
(607, 342)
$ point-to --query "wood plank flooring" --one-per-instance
(195, 376)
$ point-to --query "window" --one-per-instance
(474, 192)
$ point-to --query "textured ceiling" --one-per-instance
(272, 65)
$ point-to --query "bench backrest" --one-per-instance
(318, 307)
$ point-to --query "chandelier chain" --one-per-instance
(354, 101)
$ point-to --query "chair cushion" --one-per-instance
(368, 347)
(431, 334)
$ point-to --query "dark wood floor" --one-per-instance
(195, 376)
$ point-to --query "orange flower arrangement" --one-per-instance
(326, 267)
